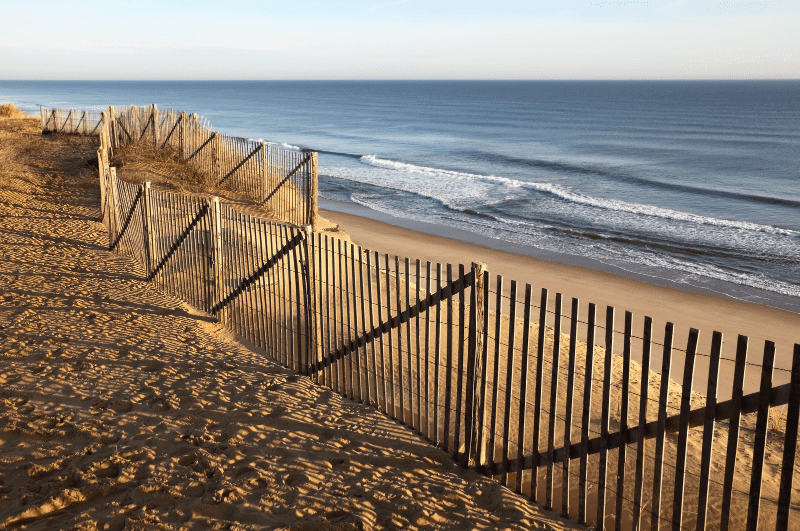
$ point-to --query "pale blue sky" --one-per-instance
(397, 39)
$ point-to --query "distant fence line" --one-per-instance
(519, 397)
(283, 180)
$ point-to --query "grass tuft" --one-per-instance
(11, 111)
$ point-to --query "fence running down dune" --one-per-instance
(527, 392)
(284, 180)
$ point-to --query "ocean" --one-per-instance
(692, 184)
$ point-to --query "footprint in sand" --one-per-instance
(195, 489)
(106, 470)
(296, 479)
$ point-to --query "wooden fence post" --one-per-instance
(216, 256)
(476, 376)
(147, 226)
(155, 126)
(41, 116)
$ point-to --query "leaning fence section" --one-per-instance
(283, 180)
(586, 411)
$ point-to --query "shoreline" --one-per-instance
(685, 308)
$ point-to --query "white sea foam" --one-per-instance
(565, 193)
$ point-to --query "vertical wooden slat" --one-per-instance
(606, 405)
(552, 415)
(623, 421)
(470, 411)
(381, 325)
(483, 400)
(418, 402)
(408, 347)
(374, 360)
(344, 327)
(512, 321)
(427, 350)
(448, 386)
(683, 430)
(330, 319)
(566, 475)
(663, 399)
(523, 387)
(789, 444)
(733, 430)
(356, 332)
(760, 442)
(300, 326)
(586, 416)
(389, 334)
(643, 399)
(437, 358)
(496, 372)
(460, 368)
(399, 309)
(537, 395)
(708, 430)
(366, 396)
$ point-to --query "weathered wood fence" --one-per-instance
(284, 180)
(532, 393)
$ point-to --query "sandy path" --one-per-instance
(121, 408)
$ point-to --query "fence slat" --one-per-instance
(483, 346)
(498, 321)
(408, 346)
(460, 369)
(789, 444)
(402, 390)
(448, 382)
(606, 406)
(760, 442)
(683, 430)
(389, 333)
(623, 420)
(643, 402)
(566, 475)
(537, 410)
(551, 415)
(708, 430)
(512, 321)
(666, 364)
(523, 387)
(427, 351)
(588, 380)
(733, 430)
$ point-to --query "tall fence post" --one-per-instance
(475, 368)
(155, 126)
(147, 225)
(216, 256)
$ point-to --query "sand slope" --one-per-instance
(121, 408)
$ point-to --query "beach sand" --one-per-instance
(124, 408)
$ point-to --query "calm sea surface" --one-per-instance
(690, 182)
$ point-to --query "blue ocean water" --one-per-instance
(696, 182)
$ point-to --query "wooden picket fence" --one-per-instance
(282, 179)
(529, 393)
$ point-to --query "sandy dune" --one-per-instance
(122, 408)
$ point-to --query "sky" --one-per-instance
(399, 39)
